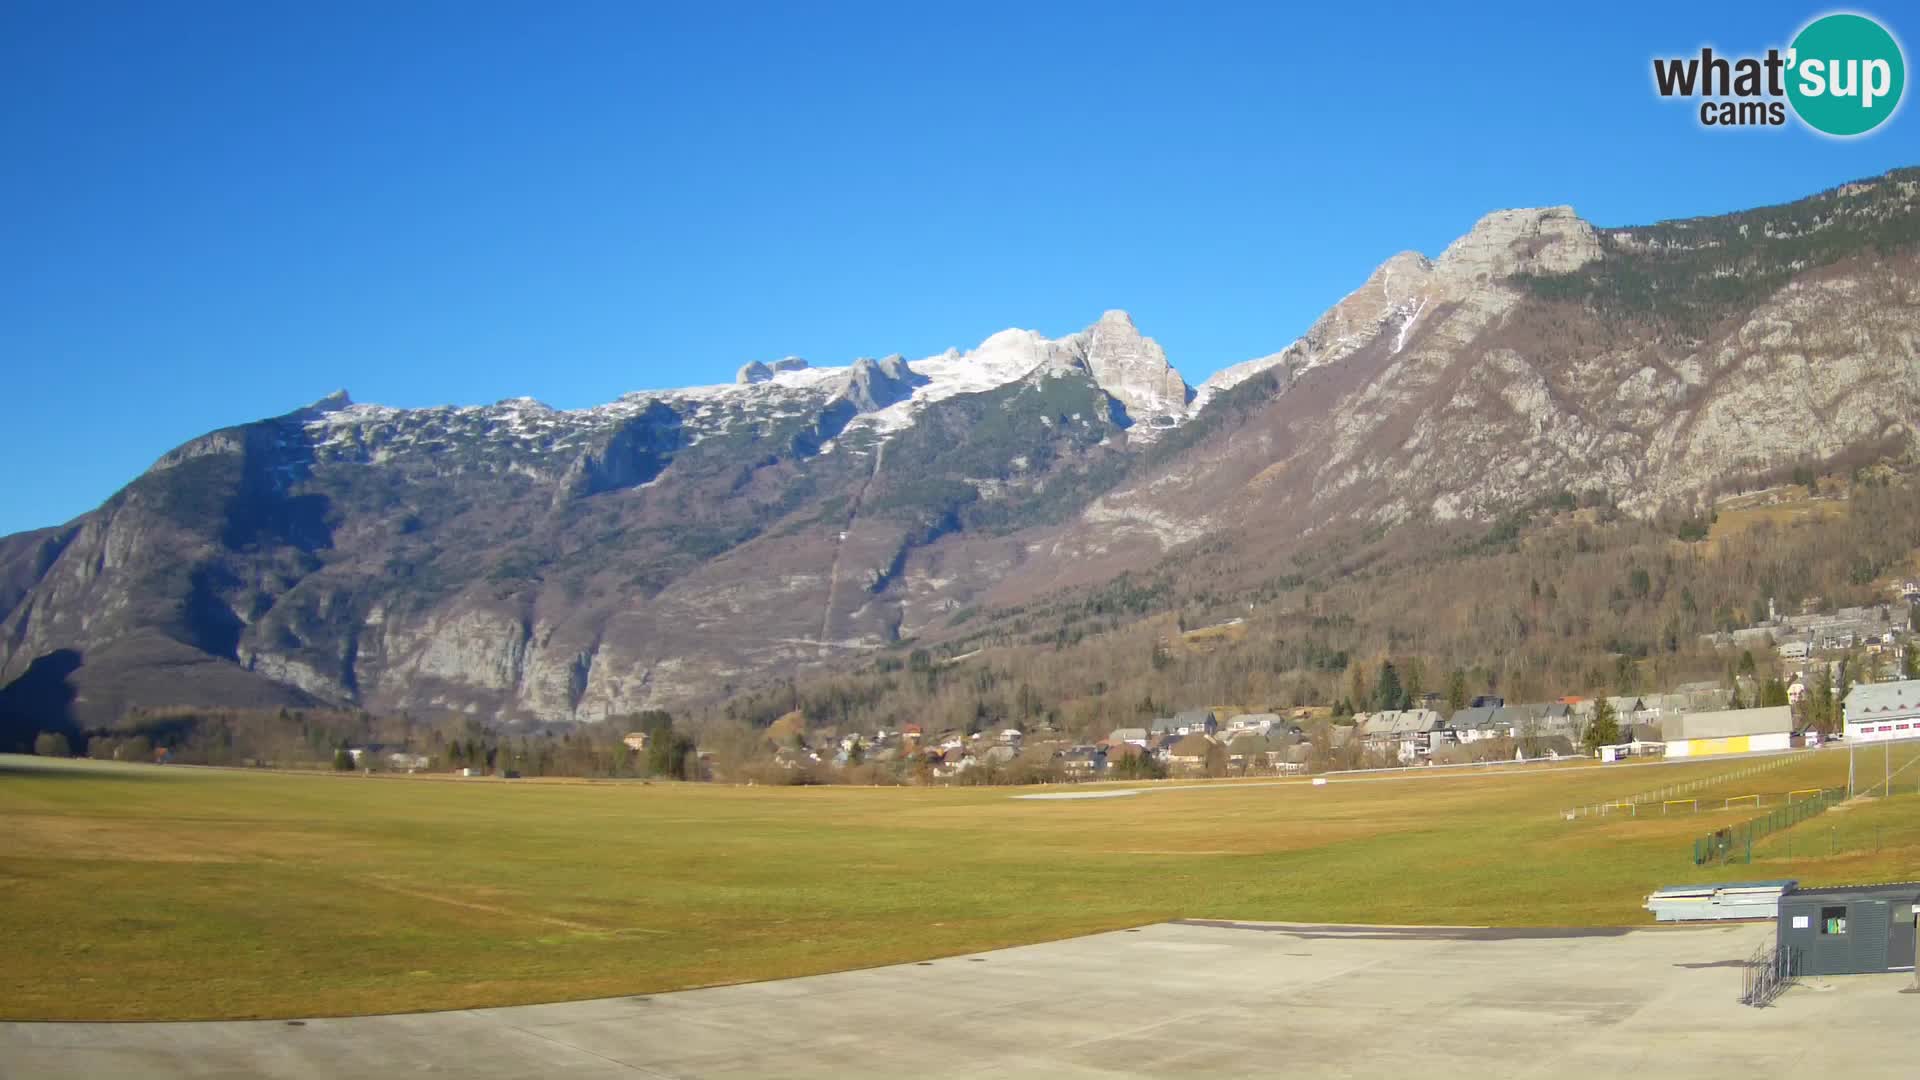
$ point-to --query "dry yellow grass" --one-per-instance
(1734, 520)
(145, 892)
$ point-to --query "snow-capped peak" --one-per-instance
(332, 403)
(886, 394)
(1133, 369)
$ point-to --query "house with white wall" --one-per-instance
(1879, 712)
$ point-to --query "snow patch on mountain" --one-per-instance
(888, 395)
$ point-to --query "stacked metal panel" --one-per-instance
(1730, 900)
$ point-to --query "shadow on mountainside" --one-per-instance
(41, 699)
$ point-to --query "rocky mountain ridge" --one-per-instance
(514, 561)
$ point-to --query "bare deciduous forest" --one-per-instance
(1558, 598)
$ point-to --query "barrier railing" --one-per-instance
(1768, 973)
(1663, 794)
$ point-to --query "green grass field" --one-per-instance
(149, 892)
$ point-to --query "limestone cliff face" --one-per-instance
(519, 562)
(1552, 240)
(1133, 369)
(1534, 356)
(1473, 271)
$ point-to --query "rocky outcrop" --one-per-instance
(1133, 370)
(630, 454)
(1390, 302)
(754, 371)
(1551, 240)
(872, 385)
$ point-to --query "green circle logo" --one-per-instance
(1846, 74)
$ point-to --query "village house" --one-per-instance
(1083, 761)
(1196, 722)
(1190, 752)
(1259, 722)
(1040, 755)
(1254, 752)
(1471, 725)
(1629, 709)
(1135, 735)
(1546, 748)
(1878, 712)
(1243, 748)
(1407, 733)
(1549, 720)
(1702, 696)
(635, 740)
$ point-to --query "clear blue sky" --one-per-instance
(215, 212)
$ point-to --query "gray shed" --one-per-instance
(1849, 929)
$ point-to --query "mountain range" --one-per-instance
(518, 562)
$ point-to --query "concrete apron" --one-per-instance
(1191, 997)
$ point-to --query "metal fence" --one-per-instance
(1735, 842)
(1632, 803)
(1767, 974)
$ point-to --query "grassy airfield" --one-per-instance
(140, 892)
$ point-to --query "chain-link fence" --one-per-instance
(1734, 844)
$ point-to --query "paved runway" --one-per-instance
(1187, 998)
